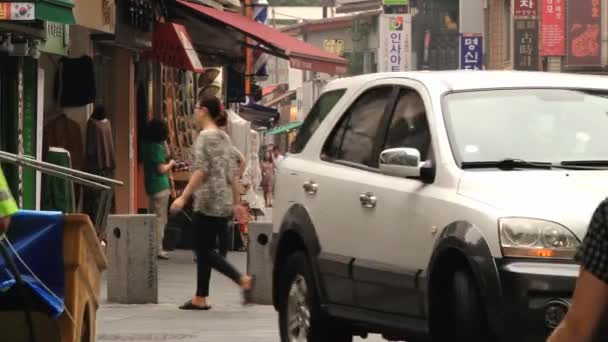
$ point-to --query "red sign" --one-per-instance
(584, 33)
(525, 8)
(553, 28)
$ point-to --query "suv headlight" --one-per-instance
(533, 238)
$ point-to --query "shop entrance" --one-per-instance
(435, 30)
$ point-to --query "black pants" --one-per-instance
(206, 232)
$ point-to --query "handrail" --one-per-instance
(80, 177)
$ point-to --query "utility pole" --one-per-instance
(325, 4)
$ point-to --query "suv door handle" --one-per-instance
(311, 188)
(368, 200)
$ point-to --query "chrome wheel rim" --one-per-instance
(298, 311)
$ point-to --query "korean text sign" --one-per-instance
(525, 8)
(553, 28)
(471, 52)
(526, 44)
(584, 33)
(395, 43)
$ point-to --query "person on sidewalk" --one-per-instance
(590, 302)
(268, 168)
(214, 184)
(156, 176)
(8, 207)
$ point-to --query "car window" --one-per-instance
(353, 138)
(317, 114)
(409, 125)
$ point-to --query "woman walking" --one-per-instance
(214, 186)
(267, 177)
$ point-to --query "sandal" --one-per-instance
(189, 306)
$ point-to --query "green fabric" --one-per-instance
(283, 129)
(58, 11)
(8, 206)
(57, 193)
(152, 155)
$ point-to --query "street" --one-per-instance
(227, 321)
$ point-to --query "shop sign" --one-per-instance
(526, 44)
(395, 49)
(553, 28)
(584, 33)
(56, 39)
(525, 8)
(17, 11)
(335, 46)
(471, 52)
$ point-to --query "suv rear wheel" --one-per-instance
(300, 316)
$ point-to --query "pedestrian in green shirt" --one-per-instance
(157, 167)
(8, 207)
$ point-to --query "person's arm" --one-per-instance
(590, 301)
(166, 168)
(587, 311)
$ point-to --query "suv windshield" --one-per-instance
(536, 125)
(319, 111)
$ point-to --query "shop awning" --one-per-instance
(274, 102)
(58, 11)
(284, 129)
(172, 46)
(301, 55)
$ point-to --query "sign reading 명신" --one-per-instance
(471, 52)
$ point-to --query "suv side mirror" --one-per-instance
(401, 162)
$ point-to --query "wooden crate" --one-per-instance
(84, 262)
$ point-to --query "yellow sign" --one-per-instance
(335, 46)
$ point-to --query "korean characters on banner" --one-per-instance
(584, 33)
(395, 51)
(526, 44)
(471, 52)
(553, 28)
(525, 8)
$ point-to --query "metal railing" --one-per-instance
(102, 184)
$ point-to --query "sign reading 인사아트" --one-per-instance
(471, 52)
(395, 49)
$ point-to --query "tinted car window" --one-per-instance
(316, 115)
(353, 138)
(409, 126)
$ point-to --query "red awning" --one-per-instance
(301, 55)
(172, 46)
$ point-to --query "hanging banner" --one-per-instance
(525, 8)
(395, 50)
(526, 44)
(471, 51)
(584, 35)
(553, 28)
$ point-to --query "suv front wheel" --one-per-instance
(300, 316)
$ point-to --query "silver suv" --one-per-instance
(438, 204)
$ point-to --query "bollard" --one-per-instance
(259, 261)
(131, 252)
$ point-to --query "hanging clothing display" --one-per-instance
(75, 82)
(253, 173)
(65, 133)
(238, 129)
(99, 160)
(57, 193)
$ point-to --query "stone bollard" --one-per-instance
(131, 252)
(259, 261)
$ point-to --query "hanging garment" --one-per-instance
(75, 83)
(99, 160)
(65, 133)
(57, 193)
